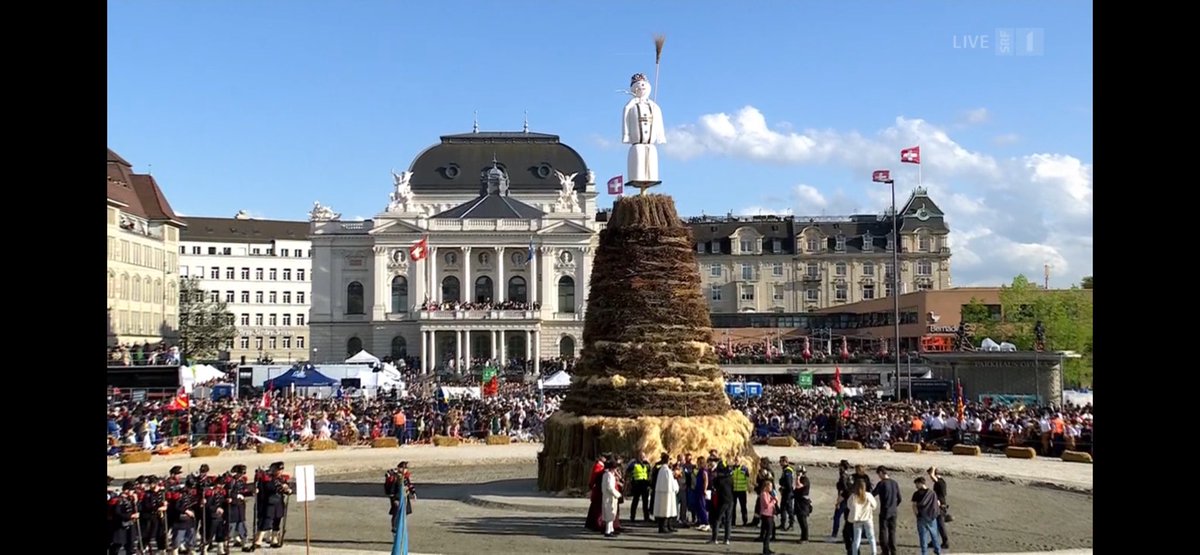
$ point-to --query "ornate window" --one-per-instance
(450, 290)
(399, 294)
(484, 292)
(517, 291)
(354, 300)
(566, 295)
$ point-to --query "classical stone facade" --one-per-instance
(483, 252)
(801, 264)
(143, 237)
(262, 270)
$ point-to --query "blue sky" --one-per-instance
(266, 106)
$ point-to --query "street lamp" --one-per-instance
(885, 176)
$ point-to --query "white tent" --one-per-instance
(204, 373)
(989, 345)
(363, 357)
(383, 380)
(557, 380)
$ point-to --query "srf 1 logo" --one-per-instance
(1020, 42)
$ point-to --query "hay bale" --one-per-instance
(782, 441)
(205, 451)
(1020, 452)
(131, 449)
(270, 448)
(384, 442)
(138, 457)
(966, 450)
(1067, 456)
(322, 445)
(498, 440)
(573, 443)
(446, 441)
(847, 444)
(905, 447)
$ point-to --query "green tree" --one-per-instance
(1086, 282)
(205, 326)
(1066, 314)
(975, 312)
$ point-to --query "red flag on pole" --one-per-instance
(419, 249)
(616, 185)
(911, 155)
(180, 402)
(881, 176)
(961, 404)
(837, 380)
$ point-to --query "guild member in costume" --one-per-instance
(397, 483)
(271, 505)
(594, 522)
(611, 497)
(123, 517)
(666, 489)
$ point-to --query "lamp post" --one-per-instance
(886, 178)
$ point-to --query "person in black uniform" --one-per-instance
(123, 516)
(271, 505)
(787, 483)
(153, 509)
(236, 492)
(802, 501)
(214, 503)
(184, 505)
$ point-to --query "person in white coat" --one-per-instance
(666, 488)
(611, 497)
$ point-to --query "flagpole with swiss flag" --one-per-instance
(885, 177)
(912, 156)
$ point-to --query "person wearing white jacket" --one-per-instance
(610, 497)
(862, 507)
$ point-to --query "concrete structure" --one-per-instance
(802, 264)
(498, 228)
(262, 270)
(994, 373)
(143, 234)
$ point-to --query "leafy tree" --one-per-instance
(975, 312)
(1066, 314)
(205, 326)
(1086, 282)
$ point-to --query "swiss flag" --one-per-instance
(911, 155)
(616, 185)
(881, 176)
(419, 249)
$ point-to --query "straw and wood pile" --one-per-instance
(647, 380)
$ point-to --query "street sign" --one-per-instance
(306, 483)
(804, 380)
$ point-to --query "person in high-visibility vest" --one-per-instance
(639, 477)
(741, 482)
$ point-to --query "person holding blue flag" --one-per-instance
(397, 485)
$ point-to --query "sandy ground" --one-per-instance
(474, 499)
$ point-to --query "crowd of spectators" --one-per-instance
(488, 305)
(813, 418)
(143, 355)
(794, 352)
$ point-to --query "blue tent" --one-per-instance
(301, 376)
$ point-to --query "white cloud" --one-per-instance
(763, 211)
(1006, 139)
(976, 116)
(602, 142)
(1007, 215)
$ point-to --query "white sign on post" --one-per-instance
(306, 483)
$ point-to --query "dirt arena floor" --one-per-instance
(462, 509)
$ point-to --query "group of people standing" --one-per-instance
(200, 511)
(708, 492)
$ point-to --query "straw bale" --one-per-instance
(270, 448)
(498, 440)
(322, 445)
(446, 441)
(135, 457)
(384, 442)
(966, 450)
(1071, 456)
(905, 447)
(847, 444)
(782, 441)
(572, 443)
(205, 451)
(1020, 452)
